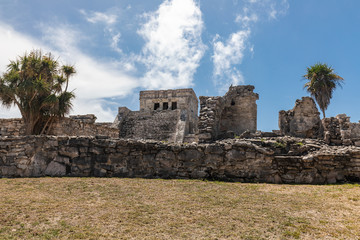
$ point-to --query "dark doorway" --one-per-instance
(173, 105)
(156, 106)
(165, 106)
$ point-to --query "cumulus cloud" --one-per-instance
(12, 44)
(99, 17)
(94, 81)
(228, 54)
(173, 47)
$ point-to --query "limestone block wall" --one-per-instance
(240, 111)
(184, 99)
(301, 121)
(73, 127)
(210, 113)
(230, 115)
(11, 127)
(65, 126)
(231, 160)
(339, 130)
(162, 125)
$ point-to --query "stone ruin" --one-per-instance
(301, 121)
(171, 115)
(166, 139)
(304, 121)
(340, 131)
(228, 116)
(77, 125)
(165, 115)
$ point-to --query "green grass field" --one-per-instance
(113, 208)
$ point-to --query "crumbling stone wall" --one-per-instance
(79, 125)
(157, 125)
(76, 127)
(228, 116)
(339, 130)
(165, 115)
(302, 121)
(240, 111)
(210, 113)
(265, 160)
(11, 127)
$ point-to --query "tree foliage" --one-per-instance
(35, 83)
(321, 84)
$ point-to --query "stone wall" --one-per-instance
(11, 127)
(302, 121)
(340, 131)
(73, 127)
(162, 125)
(284, 160)
(240, 111)
(228, 116)
(80, 125)
(165, 115)
(171, 99)
(210, 113)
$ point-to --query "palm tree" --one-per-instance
(68, 71)
(34, 84)
(322, 82)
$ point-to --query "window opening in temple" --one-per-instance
(173, 105)
(165, 106)
(232, 102)
(156, 106)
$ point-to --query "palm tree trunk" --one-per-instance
(67, 84)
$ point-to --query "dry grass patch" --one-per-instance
(113, 208)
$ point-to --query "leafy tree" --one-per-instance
(34, 83)
(322, 82)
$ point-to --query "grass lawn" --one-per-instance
(114, 208)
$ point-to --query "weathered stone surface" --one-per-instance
(302, 121)
(228, 116)
(79, 125)
(11, 127)
(280, 160)
(55, 169)
(340, 131)
(165, 115)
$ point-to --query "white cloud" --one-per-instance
(13, 44)
(226, 55)
(246, 18)
(109, 19)
(278, 8)
(115, 41)
(229, 54)
(173, 46)
(94, 81)
(99, 17)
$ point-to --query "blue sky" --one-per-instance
(120, 47)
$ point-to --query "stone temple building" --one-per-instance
(165, 115)
(172, 115)
(228, 116)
